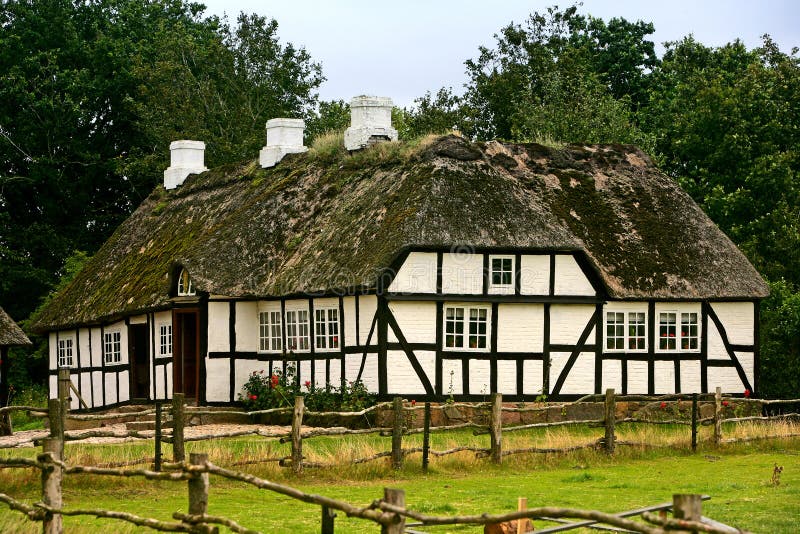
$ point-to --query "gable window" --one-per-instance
(185, 286)
(113, 347)
(501, 275)
(165, 340)
(269, 331)
(297, 338)
(626, 331)
(65, 353)
(326, 328)
(466, 327)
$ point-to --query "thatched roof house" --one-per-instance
(11, 335)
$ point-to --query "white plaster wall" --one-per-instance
(479, 377)
(159, 383)
(507, 377)
(451, 377)
(97, 348)
(567, 321)
(569, 279)
(716, 348)
(246, 326)
(462, 274)
(534, 274)
(726, 378)
(97, 390)
(169, 380)
(532, 377)
(335, 374)
(690, 377)
(370, 376)
(218, 327)
(402, 379)
(52, 383)
(612, 376)
(85, 380)
(137, 319)
(217, 379)
(367, 306)
(349, 306)
(304, 368)
(417, 321)
(581, 377)
(416, 275)
(124, 386)
(738, 319)
(637, 377)
(52, 351)
(110, 385)
(84, 346)
(747, 360)
(664, 380)
(520, 327)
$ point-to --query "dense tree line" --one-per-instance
(93, 91)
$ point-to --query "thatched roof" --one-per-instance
(326, 221)
(10, 333)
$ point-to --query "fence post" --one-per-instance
(56, 415)
(426, 437)
(178, 450)
(198, 491)
(157, 452)
(397, 434)
(297, 439)
(687, 507)
(63, 384)
(496, 428)
(610, 420)
(328, 515)
(51, 484)
(718, 416)
(396, 497)
(694, 422)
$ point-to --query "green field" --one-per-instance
(737, 477)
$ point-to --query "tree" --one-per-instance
(330, 116)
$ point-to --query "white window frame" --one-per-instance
(112, 346)
(298, 338)
(680, 334)
(165, 339)
(65, 351)
(185, 285)
(502, 287)
(626, 324)
(327, 329)
(270, 330)
(465, 322)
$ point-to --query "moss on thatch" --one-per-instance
(331, 220)
(11, 335)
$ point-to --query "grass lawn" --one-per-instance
(738, 478)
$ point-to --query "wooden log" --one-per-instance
(426, 436)
(694, 422)
(397, 433)
(496, 428)
(718, 417)
(610, 420)
(178, 449)
(297, 438)
(157, 452)
(63, 384)
(397, 498)
(687, 507)
(328, 515)
(51, 484)
(198, 492)
(55, 411)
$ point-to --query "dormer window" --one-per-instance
(185, 287)
(501, 274)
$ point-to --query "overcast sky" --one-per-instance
(403, 49)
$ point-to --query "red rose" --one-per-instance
(253, 397)
(747, 394)
(663, 405)
(724, 403)
(274, 380)
(413, 402)
(307, 384)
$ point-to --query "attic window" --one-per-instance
(185, 287)
(501, 275)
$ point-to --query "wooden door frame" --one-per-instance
(132, 375)
(177, 347)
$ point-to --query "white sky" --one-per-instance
(403, 49)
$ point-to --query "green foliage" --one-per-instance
(332, 116)
(29, 395)
(780, 342)
(278, 390)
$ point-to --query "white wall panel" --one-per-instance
(451, 377)
(367, 306)
(520, 327)
(218, 327)
(304, 369)
(124, 387)
(581, 378)
(507, 377)
(637, 377)
(97, 348)
(52, 350)
(349, 305)
(716, 348)
(169, 380)
(479, 377)
(97, 388)
(85, 380)
(416, 275)
(159, 382)
(532, 377)
(664, 380)
(747, 360)
(534, 274)
(570, 279)
(737, 318)
(691, 376)
(725, 377)
(137, 319)
(84, 346)
(402, 379)
(567, 322)
(462, 274)
(217, 378)
(335, 374)
(612, 376)
(417, 321)
(111, 388)
(557, 362)
(246, 326)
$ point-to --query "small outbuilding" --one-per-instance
(11, 335)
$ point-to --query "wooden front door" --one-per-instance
(186, 354)
(139, 350)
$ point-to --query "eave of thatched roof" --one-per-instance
(10, 333)
(317, 224)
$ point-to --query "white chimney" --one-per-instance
(284, 136)
(370, 122)
(186, 157)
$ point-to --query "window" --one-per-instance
(626, 331)
(326, 328)
(689, 331)
(297, 330)
(667, 331)
(185, 287)
(113, 347)
(165, 340)
(466, 328)
(501, 272)
(65, 353)
(269, 331)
